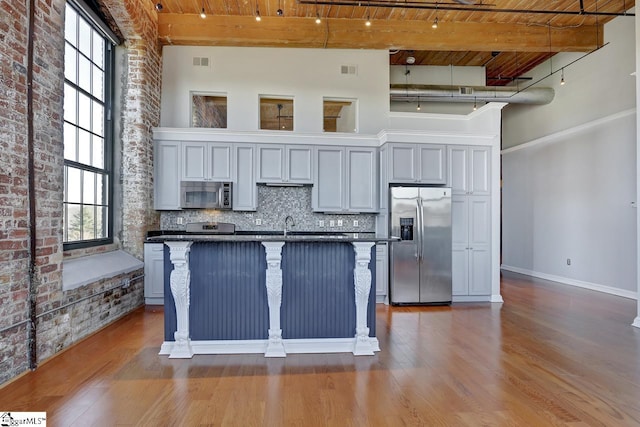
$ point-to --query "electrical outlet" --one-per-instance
(355, 222)
(321, 223)
(125, 283)
(332, 223)
(339, 223)
(258, 221)
(179, 220)
(568, 261)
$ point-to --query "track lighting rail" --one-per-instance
(457, 7)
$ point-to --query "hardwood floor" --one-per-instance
(551, 355)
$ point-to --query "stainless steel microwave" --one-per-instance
(205, 195)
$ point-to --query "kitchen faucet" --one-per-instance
(286, 221)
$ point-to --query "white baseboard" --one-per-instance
(471, 298)
(573, 282)
(311, 345)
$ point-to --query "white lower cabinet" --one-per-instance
(471, 245)
(382, 275)
(154, 273)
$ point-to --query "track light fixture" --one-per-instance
(435, 21)
(368, 21)
(158, 7)
(318, 20)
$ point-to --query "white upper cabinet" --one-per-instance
(166, 182)
(417, 163)
(362, 181)
(329, 186)
(469, 170)
(345, 180)
(245, 191)
(203, 161)
(286, 164)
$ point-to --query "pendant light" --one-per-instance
(258, 18)
(279, 12)
(203, 14)
(562, 77)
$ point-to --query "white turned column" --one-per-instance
(273, 250)
(362, 282)
(180, 288)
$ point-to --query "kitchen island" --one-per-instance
(270, 294)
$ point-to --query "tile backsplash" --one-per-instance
(274, 204)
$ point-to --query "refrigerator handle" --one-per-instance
(420, 218)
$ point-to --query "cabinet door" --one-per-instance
(194, 161)
(460, 270)
(361, 179)
(154, 273)
(245, 193)
(381, 270)
(219, 162)
(459, 221)
(328, 188)
(271, 163)
(458, 169)
(433, 164)
(479, 220)
(402, 163)
(479, 176)
(479, 271)
(166, 179)
(299, 164)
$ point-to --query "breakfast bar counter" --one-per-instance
(269, 293)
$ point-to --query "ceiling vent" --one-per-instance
(349, 69)
(464, 90)
(200, 61)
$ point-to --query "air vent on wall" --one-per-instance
(349, 69)
(200, 61)
(466, 90)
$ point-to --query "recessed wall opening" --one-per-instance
(276, 113)
(208, 110)
(339, 115)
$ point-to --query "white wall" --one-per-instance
(307, 75)
(569, 172)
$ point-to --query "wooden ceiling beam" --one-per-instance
(187, 29)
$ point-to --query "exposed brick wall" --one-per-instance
(140, 113)
(60, 328)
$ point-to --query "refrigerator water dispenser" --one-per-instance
(406, 228)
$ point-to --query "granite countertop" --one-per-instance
(266, 236)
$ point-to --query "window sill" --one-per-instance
(78, 272)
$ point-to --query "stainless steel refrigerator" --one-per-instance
(421, 261)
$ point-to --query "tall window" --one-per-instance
(88, 60)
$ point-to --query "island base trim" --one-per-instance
(291, 346)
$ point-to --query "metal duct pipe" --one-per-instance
(415, 93)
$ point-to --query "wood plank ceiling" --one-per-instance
(508, 37)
